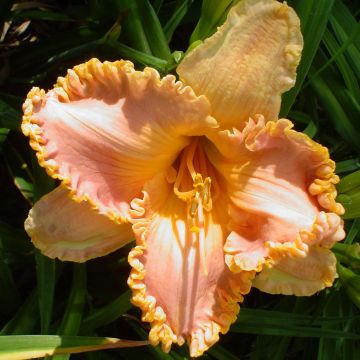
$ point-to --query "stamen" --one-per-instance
(193, 208)
(201, 235)
(198, 199)
(202, 160)
(182, 195)
(207, 195)
(199, 202)
(190, 158)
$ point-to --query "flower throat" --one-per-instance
(194, 168)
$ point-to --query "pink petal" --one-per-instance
(282, 188)
(105, 129)
(185, 292)
(300, 276)
(63, 228)
(248, 63)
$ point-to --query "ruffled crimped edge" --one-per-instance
(243, 14)
(271, 279)
(202, 339)
(323, 186)
(295, 42)
(327, 228)
(199, 340)
(82, 81)
(155, 315)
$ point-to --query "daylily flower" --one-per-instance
(217, 197)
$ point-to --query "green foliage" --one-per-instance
(86, 304)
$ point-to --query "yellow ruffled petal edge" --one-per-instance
(253, 55)
(325, 232)
(327, 228)
(200, 340)
(323, 186)
(80, 82)
(160, 332)
(305, 266)
(298, 275)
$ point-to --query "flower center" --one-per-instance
(194, 168)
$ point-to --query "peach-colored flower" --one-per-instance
(212, 192)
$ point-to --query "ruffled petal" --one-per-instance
(299, 275)
(182, 285)
(248, 63)
(282, 188)
(63, 228)
(105, 129)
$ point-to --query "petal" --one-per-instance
(105, 129)
(63, 228)
(282, 188)
(300, 276)
(248, 63)
(185, 292)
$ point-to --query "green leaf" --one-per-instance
(156, 352)
(134, 30)
(9, 294)
(314, 15)
(349, 194)
(176, 19)
(298, 331)
(71, 321)
(335, 110)
(3, 135)
(36, 53)
(220, 353)
(347, 165)
(312, 125)
(337, 56)
(35, 346)
(9, 117)
(25, 319)
(280, 318)
(353, 232)
(213, 12)
(19, 169)
(333, 348)
(351, 282)
(43, 183)
(345, 25)
(350, 253)
(70, 324)
(13, 239)
(351, 203)
(45, 270)
(74, 52)
(153, 30)
(126, 52)
(157, 4)
(349, 183)
(40, 15)
(107, 314)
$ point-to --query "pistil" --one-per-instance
(198, 198)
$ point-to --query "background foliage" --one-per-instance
(83, 303)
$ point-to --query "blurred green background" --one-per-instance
(40, 40)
